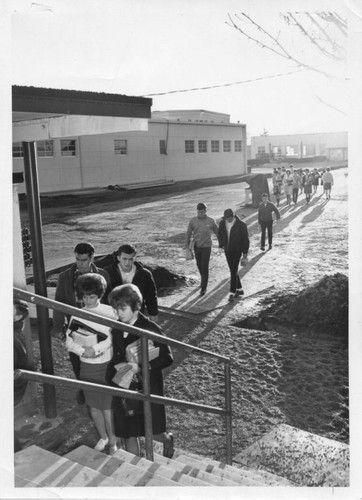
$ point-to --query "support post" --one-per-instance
(33, 201)
(147, 402)
(228, 425)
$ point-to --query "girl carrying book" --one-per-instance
(128, 414)
(92, 342)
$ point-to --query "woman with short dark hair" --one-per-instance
(128, 414)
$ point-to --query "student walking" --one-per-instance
(126, 269)
(66, 294)
(288, 186)
(277, 185)
(328, 182)
(128, 414)
(308, 183)
(265, 220)
(296, 186)
(316, 177)
(234, 239)
(199, 230)
(94, 359)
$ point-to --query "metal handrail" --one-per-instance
(146, 396)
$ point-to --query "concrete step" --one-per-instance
(123, 462)
(165, 471)
(35, 467)
(191, 468)
(267, 478)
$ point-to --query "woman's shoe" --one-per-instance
(168, 447)
(102, 443)
(112, 449)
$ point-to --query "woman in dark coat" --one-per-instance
(128, 414)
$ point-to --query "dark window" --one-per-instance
(18, 150)
(68, 147)
(45, 148)
(163, 149)
(189, 146)
(227, 146)
(120, 147)
(237, 146)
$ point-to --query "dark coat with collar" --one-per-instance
(65, 292)
(133, 425)
(239, 237)
(143, 279)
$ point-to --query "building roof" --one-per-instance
(193, 115)
(43, 113)
(37, 102)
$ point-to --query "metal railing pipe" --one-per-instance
(52, 304)
(43, 378)
(147, 402)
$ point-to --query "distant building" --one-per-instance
(332, 145)
(178, 146)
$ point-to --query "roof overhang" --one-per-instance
(41, 113)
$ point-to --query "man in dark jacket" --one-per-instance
(65, 293)
(126, 270)
(234, 239)
(265, 220)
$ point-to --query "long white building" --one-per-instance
(178, 146)
(333, 145)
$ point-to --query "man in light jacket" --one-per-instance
(200, 229)
(234, 240)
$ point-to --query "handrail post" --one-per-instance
(147, 402)
(33, 201)
(228, 424)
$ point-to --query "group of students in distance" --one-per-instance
(86, 286)
(293, 182)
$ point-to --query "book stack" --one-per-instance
(83, 334)
(124, 375)
(133, 352)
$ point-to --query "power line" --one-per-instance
(224, 84)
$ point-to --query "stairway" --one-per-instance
(84, 466)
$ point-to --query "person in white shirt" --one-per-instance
(95, 358)
(328, 181)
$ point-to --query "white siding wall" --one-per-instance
(96, 164)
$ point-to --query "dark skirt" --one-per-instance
(126, 425)
(92, 372)
(128, 415)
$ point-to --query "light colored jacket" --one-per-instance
(201, 230)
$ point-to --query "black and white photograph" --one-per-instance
(182, 245)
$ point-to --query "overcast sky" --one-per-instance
(143, 47)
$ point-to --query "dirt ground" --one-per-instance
(283, 371)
